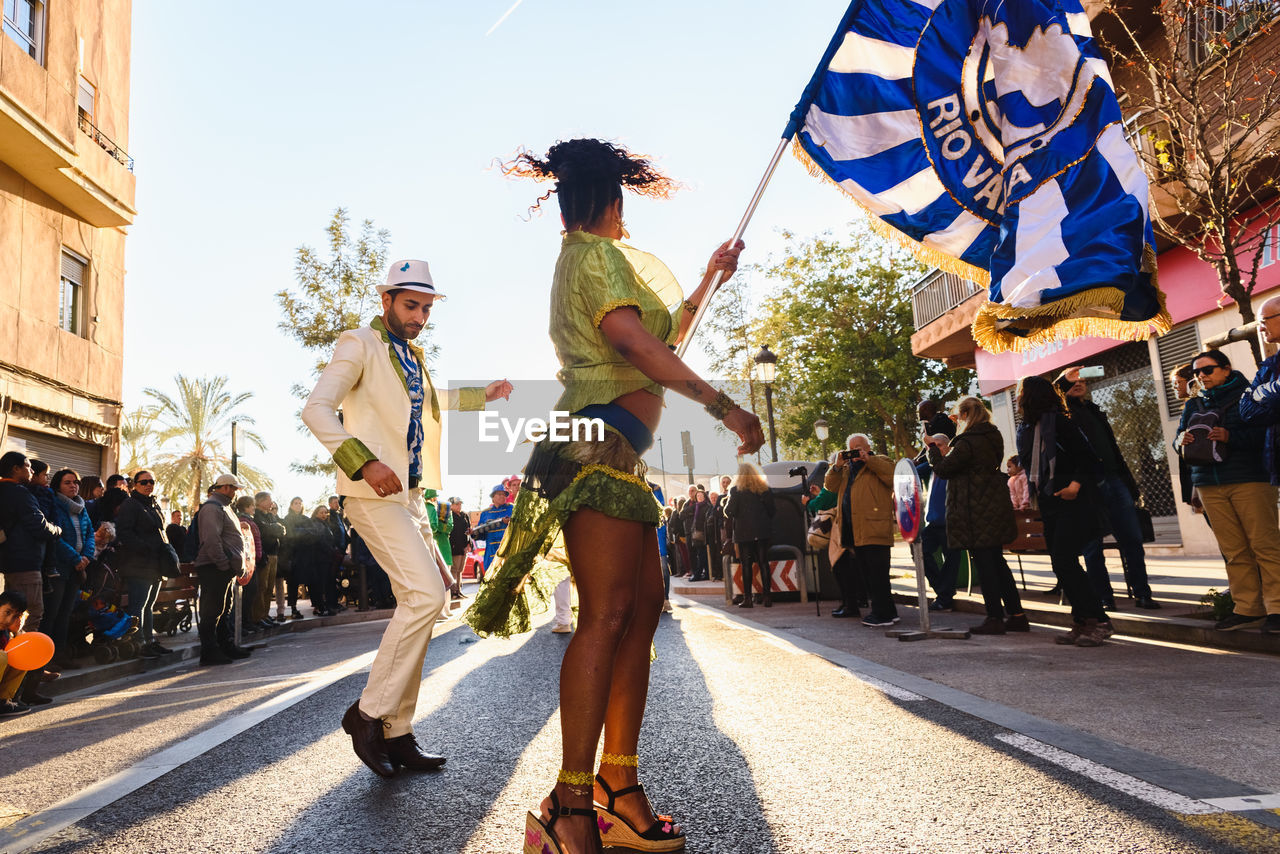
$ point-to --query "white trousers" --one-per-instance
(564, 602)
(393, 532)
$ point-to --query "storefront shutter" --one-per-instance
(61, 453)
(1174, 349)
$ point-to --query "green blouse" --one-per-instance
(595, 275)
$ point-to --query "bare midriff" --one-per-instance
(643, 404)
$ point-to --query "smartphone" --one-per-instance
(1095, 372)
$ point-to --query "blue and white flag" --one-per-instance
(986, 135)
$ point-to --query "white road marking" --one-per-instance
(38, 827)
(1140, 789)
(885, 687)
(1246, 802)
(150, 692)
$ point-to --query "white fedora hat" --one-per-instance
(410, 275)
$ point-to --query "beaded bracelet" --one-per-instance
(721, 406)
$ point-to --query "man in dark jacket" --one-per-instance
(218, 563)
(933, 420)
(272, 531)
(1119, 492)
(176, 533)
(27, 532)
(933, 537)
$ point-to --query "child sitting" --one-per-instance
(13, 608)
(1018, 491)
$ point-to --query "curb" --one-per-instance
(186, 648)
(1169, 629)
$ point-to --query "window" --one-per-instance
(1270, 236)
(71, 292)
(85, 98)
(24, 23)
(1216, 27)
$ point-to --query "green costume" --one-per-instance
(594, 276)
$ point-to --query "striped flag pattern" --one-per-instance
(986, 136)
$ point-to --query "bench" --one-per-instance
(175, 605)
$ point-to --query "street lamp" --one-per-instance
(822, 431)
(766, 370)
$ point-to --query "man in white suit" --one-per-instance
(387, 448)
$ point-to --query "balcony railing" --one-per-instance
(937, 293)
(116, 152)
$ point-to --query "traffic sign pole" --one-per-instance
(908, 507)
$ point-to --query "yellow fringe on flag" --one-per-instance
(1001, 328)
(994, 327)
(933, 257)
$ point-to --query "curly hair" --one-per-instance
(1036, 396)
(589, 176)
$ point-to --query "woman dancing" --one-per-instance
(615, 314)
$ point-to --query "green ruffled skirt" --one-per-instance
(561, 477)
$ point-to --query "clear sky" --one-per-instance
(252, 122)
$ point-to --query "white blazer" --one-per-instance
(364, 379)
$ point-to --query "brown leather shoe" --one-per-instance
(367, 740)
(403, 751)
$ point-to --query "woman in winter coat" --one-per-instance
(72, 555)
(979, 513)
(1062, 481)
(1235, 488)
(141, 543)
(292, 565)
(750, 506)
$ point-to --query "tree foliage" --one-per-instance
(336, 293)
(137, 438)
(838, 316)
(333, 294)
(1206, 101)
(193, 430)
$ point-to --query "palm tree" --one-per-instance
(137, 437)
(194, 435)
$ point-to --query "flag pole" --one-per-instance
(794, 123)
(737, 235)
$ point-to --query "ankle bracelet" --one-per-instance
(579, 782)
(629, 761)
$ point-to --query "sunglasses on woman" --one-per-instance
(1205, 371)
(146, 481)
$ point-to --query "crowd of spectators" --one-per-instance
(1068, 474)
(99, 568)
(87, 562)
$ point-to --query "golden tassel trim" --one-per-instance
(612, 304)
(1051, 326)
(594, 468)
(934, 257)
(632, 761)
(576, 778)
(990, 334)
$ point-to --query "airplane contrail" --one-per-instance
(505, 15)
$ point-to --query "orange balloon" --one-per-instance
(29, 651)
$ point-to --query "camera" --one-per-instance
(798, 471)
(850, 456)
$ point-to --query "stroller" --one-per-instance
(106, 628)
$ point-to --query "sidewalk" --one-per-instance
(1177, 582)
(186, 647)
